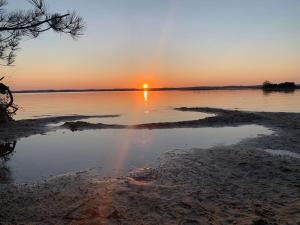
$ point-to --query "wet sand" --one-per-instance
(25, 128)
(238, 184)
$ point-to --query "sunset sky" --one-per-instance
(165, 43)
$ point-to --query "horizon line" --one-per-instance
(187, 88)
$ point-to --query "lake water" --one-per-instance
(136, 107)
(115, 152)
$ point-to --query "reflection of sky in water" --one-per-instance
(115, 151)
(134, 104)
(150, 116)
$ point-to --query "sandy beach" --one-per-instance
(161, 112)
(238, 184)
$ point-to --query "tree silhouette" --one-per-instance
(31, 23)
(19, 24)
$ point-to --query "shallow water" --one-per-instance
(113, 151)
(156, 106)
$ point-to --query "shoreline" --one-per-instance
(221, 185)
(237, 184)
(28, 127)
(195, 88)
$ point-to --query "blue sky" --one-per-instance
(165, 42)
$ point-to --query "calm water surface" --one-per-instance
(157, 106)
(115, 152)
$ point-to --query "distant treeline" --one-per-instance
(268, 86)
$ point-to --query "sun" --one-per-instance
(145, 86)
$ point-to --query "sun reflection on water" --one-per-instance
(145, 95)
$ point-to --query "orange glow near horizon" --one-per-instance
(163, 45)
(53, 78)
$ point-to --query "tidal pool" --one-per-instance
(114, 152)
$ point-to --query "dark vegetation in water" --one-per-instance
(286, 86)
(6, 151)
(7, 106)
(19, 24)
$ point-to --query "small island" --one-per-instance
(286, 86)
